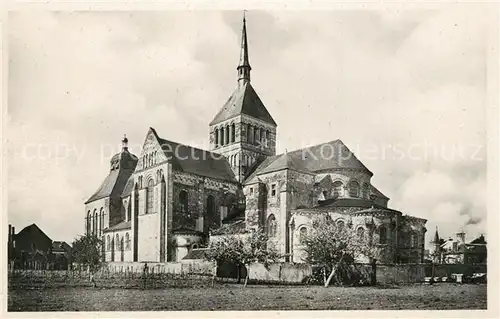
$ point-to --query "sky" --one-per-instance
(405, 90)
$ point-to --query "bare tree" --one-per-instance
(243, 249)
(331, 247)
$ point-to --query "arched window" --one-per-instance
(127, 241)
(256, 137)
(210, 210)
(271, 226)
(88, 220)
(227, 135)
(222, 136)
(354, 189)
(413, 240)
(302, 234)
(216, 133)
(337, 189)
(233, 133)
(328, 219)
(366, 191)
(94, 231)
(340, 225)
(117, 242)
(149, 197)
(382, 231)
(361, 233)
(249, 134)
(262, 136)
(101, 222)
(268, 136)
(108, 239)
(183, 201)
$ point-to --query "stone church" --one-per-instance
(168, 201)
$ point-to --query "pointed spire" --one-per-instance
(436, 236)
(244, 65)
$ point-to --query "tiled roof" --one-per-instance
(348, 202)
(129, 186)
(120, 226)
(244, 100)
(260, 165)
(32, 229)
(196, 161)
(60, 246)
(187, 231)
(112, 185)
(480, 241)
(196, 253)
(329, 155)
(284, 161)
(317, 158)
(377, 193)
(237, 226)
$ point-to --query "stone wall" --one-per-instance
(121, 251)
(445, 270)
(186, 267)
(198, 189)
(148, 237)
(279, 272)
(304, 273)
(299, 186)
(173, 276)
(345, 176)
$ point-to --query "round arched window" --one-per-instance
(340, 224)
(302, 234)
(383, 235)
(354, 189)
(337, 189)
(361, 233)
(271, 226)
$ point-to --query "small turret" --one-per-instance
(125, 142)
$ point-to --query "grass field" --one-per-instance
(233, 297)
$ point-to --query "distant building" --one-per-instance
(476, 251)
(61, 255)
(31, 248)
(457, 251)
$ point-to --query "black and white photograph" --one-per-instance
(251, 159)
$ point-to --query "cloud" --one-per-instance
(391, 84)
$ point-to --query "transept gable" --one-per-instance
(152, 152)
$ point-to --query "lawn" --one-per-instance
(233, 297)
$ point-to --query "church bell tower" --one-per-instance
(243, 130)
